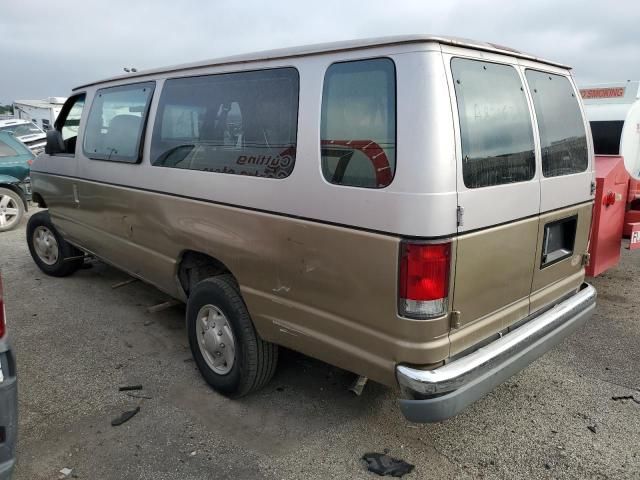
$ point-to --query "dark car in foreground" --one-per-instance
(15, 187)
(8, 398)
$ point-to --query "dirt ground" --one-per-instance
(77, 340)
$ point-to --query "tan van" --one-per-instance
(412, 209)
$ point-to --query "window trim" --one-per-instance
(533, 121)
(583, 118)
(158, 120)
(395, 115)
(141, 138)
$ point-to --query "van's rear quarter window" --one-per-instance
(242, 123)
(495, 124)
(358, 127)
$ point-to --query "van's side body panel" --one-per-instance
(328, 291)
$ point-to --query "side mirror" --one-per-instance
(55, 143)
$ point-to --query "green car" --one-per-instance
(15, 185)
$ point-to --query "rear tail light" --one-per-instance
(2, 313)
(424, 279)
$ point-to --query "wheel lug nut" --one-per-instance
(219, 333)
(222, 345)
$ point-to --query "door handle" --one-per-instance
(76, 199)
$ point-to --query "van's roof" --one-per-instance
(333, 47)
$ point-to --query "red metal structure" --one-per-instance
(612, 182)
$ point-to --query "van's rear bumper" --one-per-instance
(445, 391)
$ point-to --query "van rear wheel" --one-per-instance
(52, 253)
(228, 351)
(11, 209)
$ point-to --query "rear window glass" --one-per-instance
(242, 123)
(6, 150)
(358, 129)
(116, 122)
(606, 136)
(495, 124)
(563, 138)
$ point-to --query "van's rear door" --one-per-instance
(566, 186)
(498, 196)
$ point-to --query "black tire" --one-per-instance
(255, 360)
(16, 203)
(69, 258)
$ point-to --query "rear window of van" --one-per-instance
(495, 124)
(563, 138)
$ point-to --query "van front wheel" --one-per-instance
(52, 253)
(230, 355)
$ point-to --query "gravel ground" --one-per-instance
(77, 339)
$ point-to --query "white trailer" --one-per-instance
(41, 112)
(613, 110)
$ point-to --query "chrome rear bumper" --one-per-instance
(445, 391)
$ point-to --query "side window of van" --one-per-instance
(358, 126)
(242, 123)
(495, 124)
(563, 138)
(116, 122)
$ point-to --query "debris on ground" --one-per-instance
(127, 388)
(122, 284)
(134, 395)
(592, 428)
(148, 322)
(384, 465)
(125, 417)
(626, 397)
(163, 306)
(65, 472)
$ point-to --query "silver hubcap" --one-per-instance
(45, 245)
(215, 339)
(8, 210)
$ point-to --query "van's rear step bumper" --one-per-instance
(445, 391)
